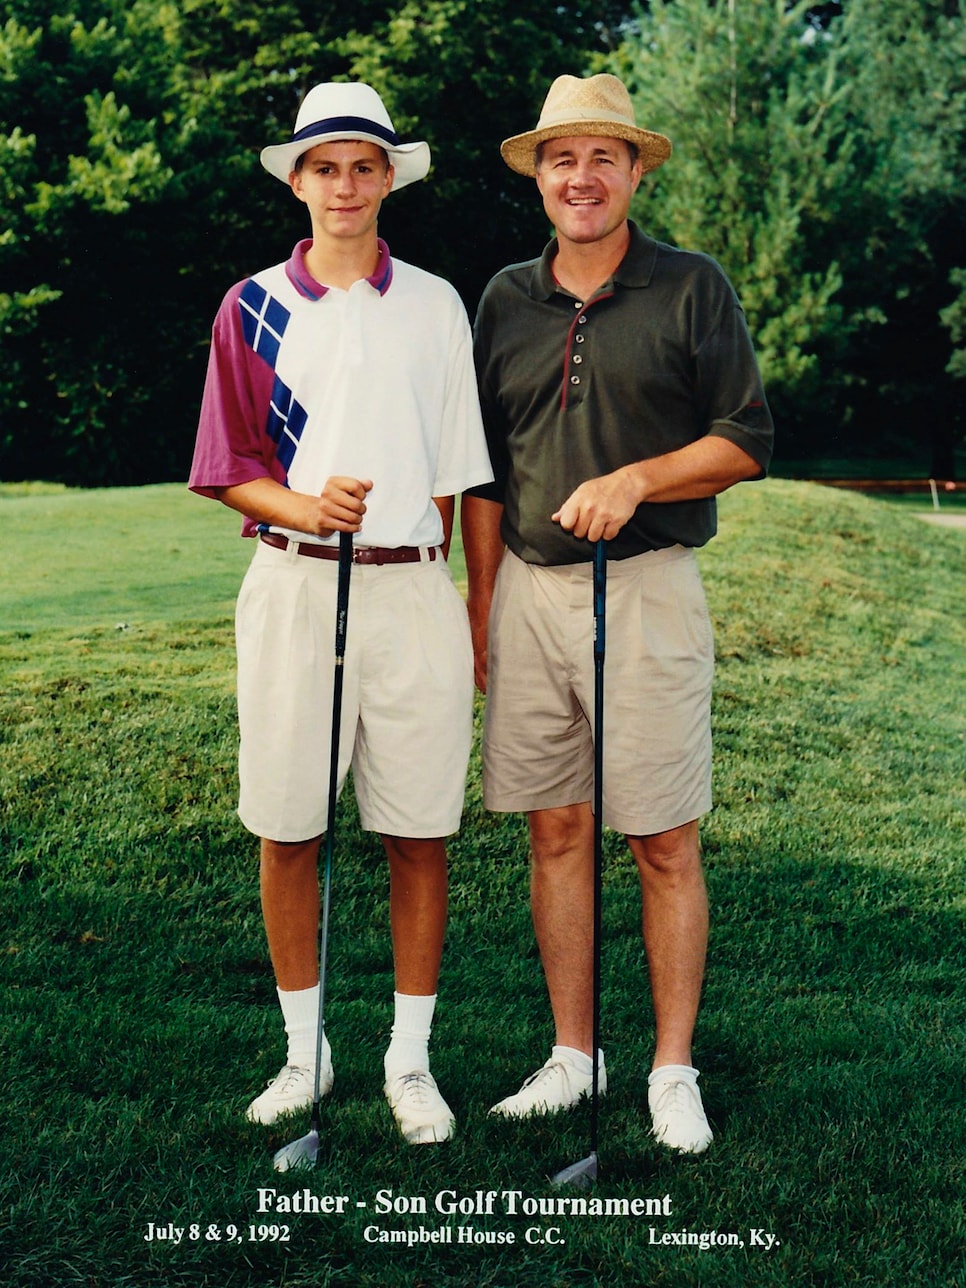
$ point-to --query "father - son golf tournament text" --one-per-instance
(391, 1220)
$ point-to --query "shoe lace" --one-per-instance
(291, 1073)
(416, 1088)
(675, 1098)
(545, 1072)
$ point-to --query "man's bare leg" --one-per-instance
(289, 879)
(561, 904)
(417, 914)
(675, 928)
(290, 908)
(417, 910)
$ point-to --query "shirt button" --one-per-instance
(575, 380)
(579, 339)
(577, 358)
(583, 319)
(578, 304)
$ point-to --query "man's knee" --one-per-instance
(285, 855)
(415, 851)
(558, 835)
(673, 853)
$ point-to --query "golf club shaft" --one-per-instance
(341, 624)
(600, 610)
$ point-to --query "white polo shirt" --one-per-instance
(306, 382)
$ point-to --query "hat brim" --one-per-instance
(520, 151)
(410, 161)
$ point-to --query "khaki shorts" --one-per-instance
(658, 669)
(407, 702)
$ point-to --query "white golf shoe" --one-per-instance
(677, 1113)
(423, 1116)
(558, 1084)
(293, 1088)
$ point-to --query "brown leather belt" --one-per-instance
(360, 554)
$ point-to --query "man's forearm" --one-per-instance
(483, 550)
(482, 543)
(266, 501)
(703, 468)
(340, 507)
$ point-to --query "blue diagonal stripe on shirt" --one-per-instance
(286, 421)
(263, 321)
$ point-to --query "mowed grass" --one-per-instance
(138, 1010)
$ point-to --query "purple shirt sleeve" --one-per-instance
(232, 445)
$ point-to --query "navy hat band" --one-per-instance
(348, 125)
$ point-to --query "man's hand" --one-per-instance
(341, 506)
(600, 507)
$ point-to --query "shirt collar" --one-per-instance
(306, 285)
(635, 270)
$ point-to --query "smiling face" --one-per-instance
(587, 184)
(343, 184)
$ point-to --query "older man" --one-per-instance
(620, 393)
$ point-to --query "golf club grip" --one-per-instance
(341, 628)
(342, 594)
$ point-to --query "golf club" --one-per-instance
(304, 1151)
(584, 1172)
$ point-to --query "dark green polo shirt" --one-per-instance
(573, 389)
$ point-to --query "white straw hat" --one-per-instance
(577, 107)
(346, 111)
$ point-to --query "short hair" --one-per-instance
(632, 149)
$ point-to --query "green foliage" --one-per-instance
(954, 319)
(820, 161)
(733, 86)
(822, 167)
(129, 137)
(138, 1014)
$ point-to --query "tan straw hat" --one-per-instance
(596, 105)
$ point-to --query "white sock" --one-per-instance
(579, 1059)
(300, 1011)
(409, 1043)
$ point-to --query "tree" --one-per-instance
(84, 177)
(954, 319)
(133, 198)
(818, 154)
(816, 157)
(903, 219)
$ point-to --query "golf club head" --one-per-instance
(300, 1153)
(582, 1174)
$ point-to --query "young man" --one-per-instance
(620, 394)
(341, 397)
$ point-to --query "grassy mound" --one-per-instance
(138, 1012)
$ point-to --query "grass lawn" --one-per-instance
(138, 1016)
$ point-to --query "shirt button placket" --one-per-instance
(578, 339)
(577, 358)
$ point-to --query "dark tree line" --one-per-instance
(817, 154)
